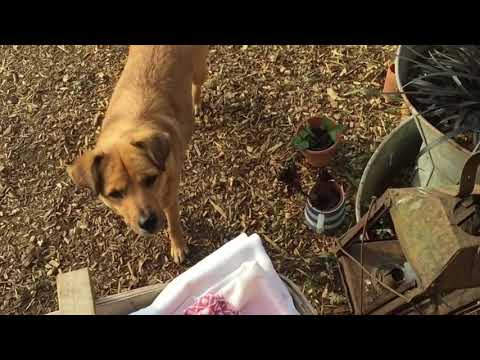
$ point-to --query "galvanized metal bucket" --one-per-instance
(443, 163)
(396, 152)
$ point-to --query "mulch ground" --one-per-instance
(53, 99)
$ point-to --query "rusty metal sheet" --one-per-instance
(375, 255)
(379, 208)
(469, 173)
(435, 232)
(425, 234)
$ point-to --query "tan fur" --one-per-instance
(146, 131)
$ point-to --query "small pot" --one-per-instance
(319, 158)
(326, 221)
(390, 84)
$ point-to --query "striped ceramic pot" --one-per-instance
(326, 221)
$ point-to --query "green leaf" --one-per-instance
(305, 133)
(304, 140)
(336, 131)
(328, 124)
(309, 131)
(300, 143)
(332, 128)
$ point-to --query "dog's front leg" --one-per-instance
(178, 245)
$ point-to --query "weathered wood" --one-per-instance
(75, 293)
(130, 301)
(126, 302)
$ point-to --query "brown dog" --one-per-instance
(136, 165)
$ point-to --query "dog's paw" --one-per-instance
(179, 253)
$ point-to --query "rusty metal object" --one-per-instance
(435, 236)
(469, 172)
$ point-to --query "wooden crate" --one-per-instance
(76, 297)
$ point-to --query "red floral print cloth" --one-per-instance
(211, 304)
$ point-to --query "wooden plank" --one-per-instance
(129, 301)
(75, 293)
(126, 302)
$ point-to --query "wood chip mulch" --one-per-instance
(53, 100)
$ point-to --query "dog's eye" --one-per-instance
(116, 194)
(150, 180)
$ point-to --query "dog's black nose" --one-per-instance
(148, 223)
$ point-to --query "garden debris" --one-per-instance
(431, 257)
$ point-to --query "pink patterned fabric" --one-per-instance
(211, 304)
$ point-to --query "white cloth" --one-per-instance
(240, 271)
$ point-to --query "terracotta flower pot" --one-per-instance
(390, 84)
(319, 158)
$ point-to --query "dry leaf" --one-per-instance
(8, 130)
(275, 147)
(332, 94)
(218, 209)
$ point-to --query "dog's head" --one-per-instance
(133, 177)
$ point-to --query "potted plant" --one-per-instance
(441, 85)
(325, 208)
(325, 203)
(318, 140)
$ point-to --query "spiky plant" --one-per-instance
(444, 85)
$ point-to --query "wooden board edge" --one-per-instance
(126, 302)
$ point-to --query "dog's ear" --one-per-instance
(86, 172)
(157, 148)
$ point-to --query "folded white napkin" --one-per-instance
(240, 271)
